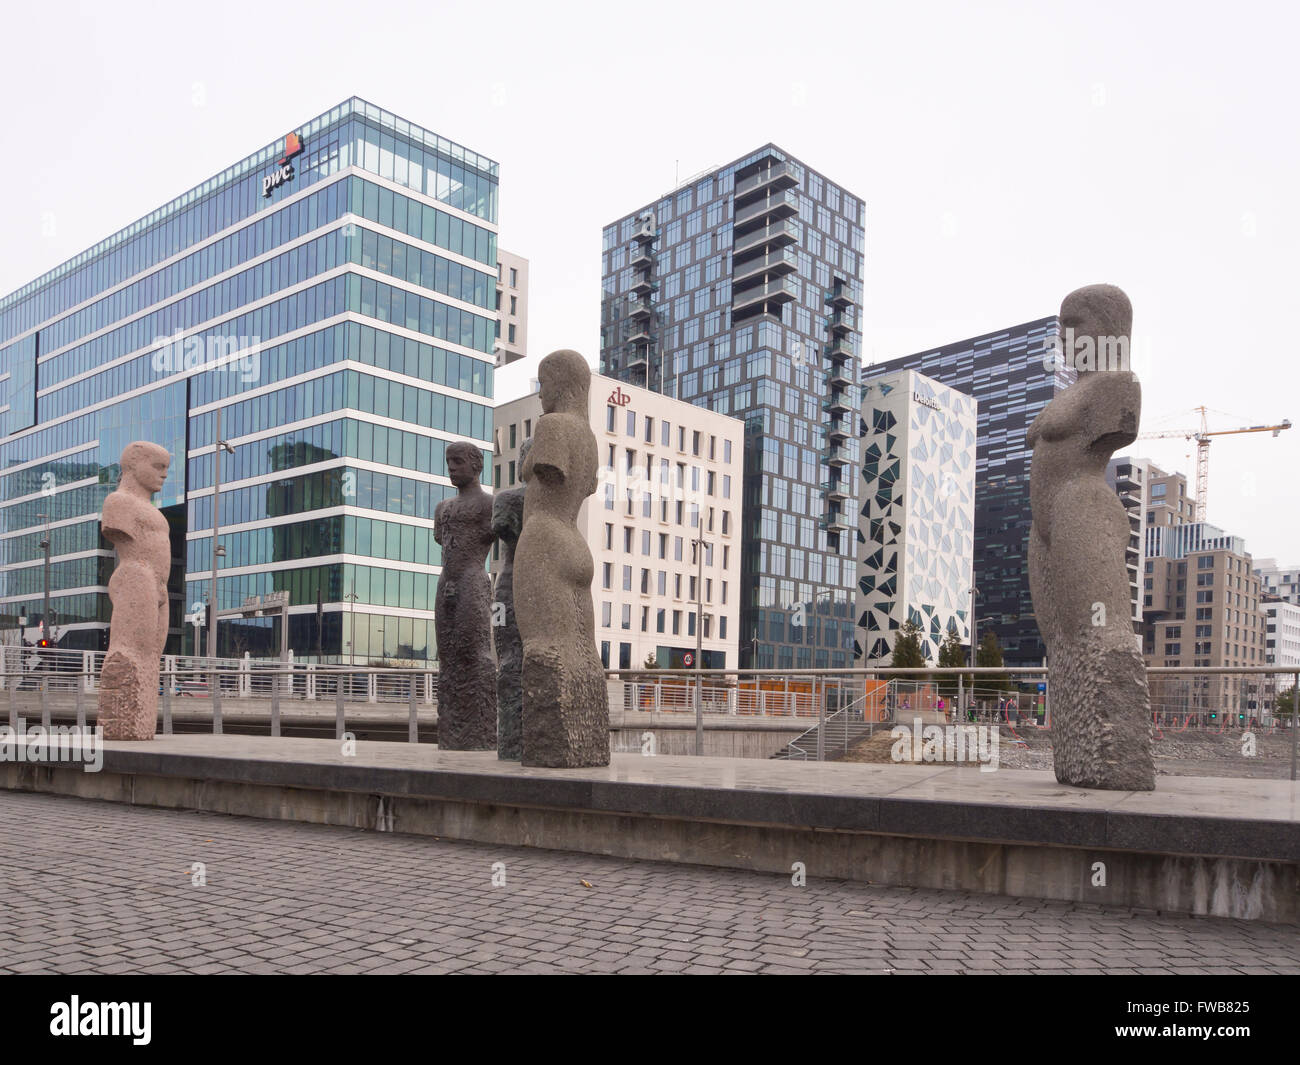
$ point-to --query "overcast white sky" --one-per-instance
(1007, 153)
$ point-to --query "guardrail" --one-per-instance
(1184, 699)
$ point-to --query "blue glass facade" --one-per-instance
(334, 295)
(740, 292)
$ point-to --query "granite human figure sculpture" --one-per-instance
(507, 522)
(565, 705)
(1101, 724)
(462, 610)
(128, 682)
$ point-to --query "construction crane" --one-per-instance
(1202, 438)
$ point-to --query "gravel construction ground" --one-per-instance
(1183, 754)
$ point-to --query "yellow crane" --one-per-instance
(1202, 438)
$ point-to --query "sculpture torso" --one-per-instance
(137, 529)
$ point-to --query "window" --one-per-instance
(606, 614)
(608, 577)
(609, 419)
(514, 278)
(649, 429)
(512, 435)
(627, 578)
(645, 582)
(514, 307)
(631, 423)
(609, 536)
(528, 428)
(512, 332)
(627, 615)
(512, 471)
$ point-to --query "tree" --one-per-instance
(952, 653)
(1285, 704)
(989, 655)
(907, 649)
(651, 661)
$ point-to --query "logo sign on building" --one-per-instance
(284, 166)
(619, 398)
(925, 401)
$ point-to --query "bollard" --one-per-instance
(169, 681)
(338, 712)
(216, 703)
(275, 705)
(413, 727)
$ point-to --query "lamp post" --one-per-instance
(352, 598)
(217, 550)
(699, 546)
(45, 546)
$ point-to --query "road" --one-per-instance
(104, 888)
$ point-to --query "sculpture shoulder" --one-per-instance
(124, 514)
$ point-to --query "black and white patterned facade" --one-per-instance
(916, 529)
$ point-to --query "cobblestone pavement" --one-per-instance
(103, 888)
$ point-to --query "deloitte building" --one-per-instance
(333, 296)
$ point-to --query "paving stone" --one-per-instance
(296, 898)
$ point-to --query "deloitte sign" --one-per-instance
(284, 168)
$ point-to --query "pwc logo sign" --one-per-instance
(284, 167)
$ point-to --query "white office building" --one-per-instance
(916, 531)
(511, 342)
(670, 474)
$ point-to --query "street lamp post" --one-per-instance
(45, 546)
(699, 546)
(352, 598)
(217, 550)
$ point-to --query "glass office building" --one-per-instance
(1012, 376)
(740, 291)
(333, 294)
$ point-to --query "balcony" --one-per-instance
(838, 404)
(836, 432)
(638, 332)
(782, 290)
(782, 205)
(775, 235)
(646, 228)
(639, 309)
(842, 294)
(643, 286)
(841, 347)
(835, 455)
(643, 257)
(784, 261)
(834, 490)
(839, 377)
(836, 523)
(840, 322)
(778, 175)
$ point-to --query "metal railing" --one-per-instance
(1183, 699)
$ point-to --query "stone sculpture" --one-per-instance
(128, 682)
(507, 522)
(462, 611)
(565, 706)
(1101, 724)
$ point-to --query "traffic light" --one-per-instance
(1214, 715)
(42, 643)
(1241, 719)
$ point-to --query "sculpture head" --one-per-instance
(144, 464)
(564, 377)
(1097, 322)
(464, 463)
